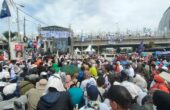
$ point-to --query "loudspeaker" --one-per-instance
(69, 40)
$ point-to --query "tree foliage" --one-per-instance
(6, 34)
(150, 45)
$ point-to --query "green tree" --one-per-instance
(6, 35)
(150, 45)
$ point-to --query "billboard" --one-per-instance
(55, 34)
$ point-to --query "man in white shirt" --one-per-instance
(130, 70)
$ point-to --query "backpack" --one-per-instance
(49, 99)
(54, 100)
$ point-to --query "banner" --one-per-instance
(55, 34)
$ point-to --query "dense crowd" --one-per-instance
(126, 83)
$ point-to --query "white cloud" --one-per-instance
(98, 15)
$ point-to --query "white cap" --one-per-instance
(165, 68)
(43, 73)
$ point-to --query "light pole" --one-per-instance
(18, 28)
(18, 23)
(24, 27)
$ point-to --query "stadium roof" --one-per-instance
(164, 24)
(55, 28)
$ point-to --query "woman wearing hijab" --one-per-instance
(56, 97)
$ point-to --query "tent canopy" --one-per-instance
(77, 50)
(89, 49)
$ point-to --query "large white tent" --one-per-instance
(77, 50)
(89, 49)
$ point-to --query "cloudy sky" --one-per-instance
(90, 15)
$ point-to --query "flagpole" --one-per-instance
(9, 37)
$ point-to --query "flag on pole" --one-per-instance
(5, 12)
(140, 48)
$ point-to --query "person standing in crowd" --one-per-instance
(55, 66)
(118, 67)
(11, 67)
(3, 72)
(130, 71)
(76, 95)
(81, 74)
(139, 66)
(140, 81)
(106, 70)
(100, 87)
(88, 79)
(93, 70)
(133, 89)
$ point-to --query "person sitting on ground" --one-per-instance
(161, 100)
(120, 98)
(92, 102)
(34, 94)
(55, 96)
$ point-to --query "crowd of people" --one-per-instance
(127, 83)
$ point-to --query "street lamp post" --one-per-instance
(18, 23)
(18, 27)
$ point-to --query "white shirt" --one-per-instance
(2, 75)
(131, 72)
(133, 89)
(86, 81)
(107, 81)
(102, 106)
(13, 75)
(140, 81)
(121, 67)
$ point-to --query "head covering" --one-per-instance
(55, 67)
(165, 76)
(165, 68)
(6, 66)
(161, 100)
(118, 62)
(41, 84)
(158, 79)
(9, 89)
(55, 82)
(43, 73)
(92, 92)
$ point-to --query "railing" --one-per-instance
(122, 41)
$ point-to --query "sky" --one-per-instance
(89, 16)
